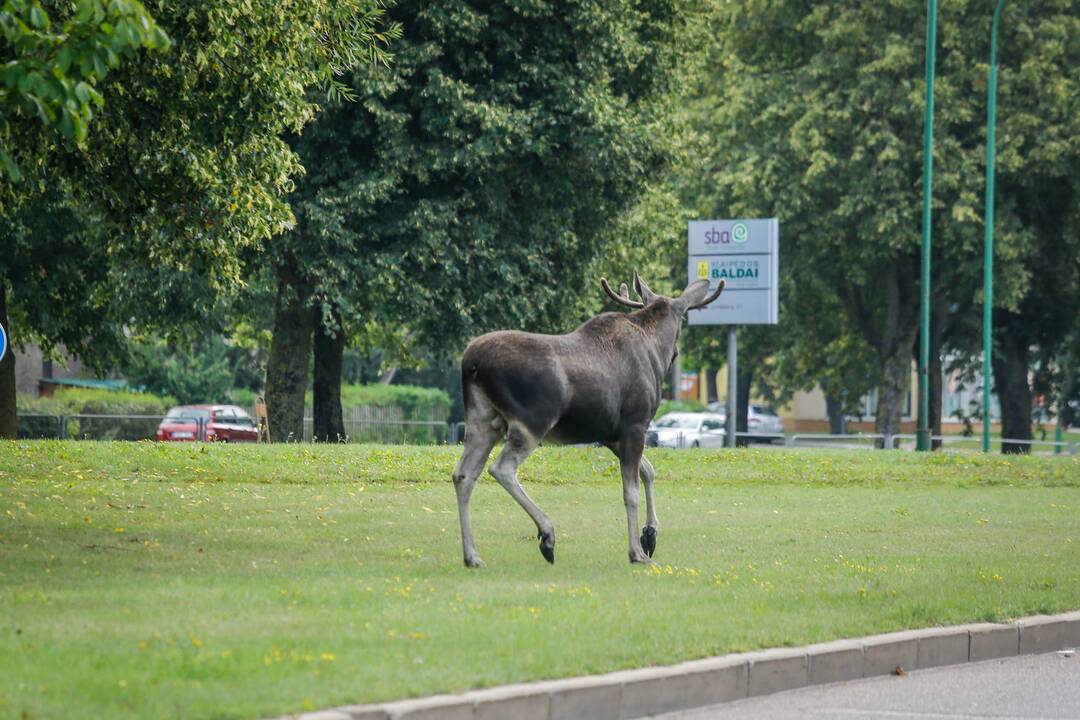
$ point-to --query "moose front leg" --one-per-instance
(630, 449)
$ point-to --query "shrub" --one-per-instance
(85, 401)
(669, 406)
(243, 397)
(416, 403)
(373, 413)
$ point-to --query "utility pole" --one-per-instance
(988, 251)
(922, 441)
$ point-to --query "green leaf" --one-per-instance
(82, 92)
(11, 167)
(38, 18)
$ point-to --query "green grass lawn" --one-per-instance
(167, 581)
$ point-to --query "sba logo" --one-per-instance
(738, 234)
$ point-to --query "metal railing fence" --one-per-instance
(81, 426)
(85, 426)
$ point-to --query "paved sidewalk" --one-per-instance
(1024, 687)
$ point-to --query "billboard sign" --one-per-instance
(745, 255)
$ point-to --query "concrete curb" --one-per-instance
(630, 694)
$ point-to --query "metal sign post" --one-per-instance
(745, 255)
(732, 386)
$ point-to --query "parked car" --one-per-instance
(682, 429)
(222, 423)
(760, 420)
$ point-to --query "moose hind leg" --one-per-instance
(652, 524)
(479, 439)
(519, 444)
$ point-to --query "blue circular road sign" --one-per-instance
(3, 342)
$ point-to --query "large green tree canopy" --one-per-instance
(822, 126)
(471, 187)
(142, 220)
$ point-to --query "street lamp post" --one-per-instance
(922, 441)
(988, 252)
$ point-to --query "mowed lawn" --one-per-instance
(206, 581)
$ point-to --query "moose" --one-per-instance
(599, 384)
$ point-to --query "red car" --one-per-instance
(221, 423)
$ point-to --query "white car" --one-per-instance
(760, 420)
(684, 430)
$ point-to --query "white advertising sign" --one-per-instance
(745, 255)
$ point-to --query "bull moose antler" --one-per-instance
(623, 296)
(623, 299)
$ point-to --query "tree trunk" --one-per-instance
(8, 418)
(328, 425)
(934, 406)
(938, 318)
(290, 354)
(742, 401)
(892, 392)
(834, 407)
(676, 379)
(891, 329)
(1010, 366)
(895, 345)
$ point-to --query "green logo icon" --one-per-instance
(740, 233)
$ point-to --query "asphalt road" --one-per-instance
(1028, 687)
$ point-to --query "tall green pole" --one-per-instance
(922, 441)
(988, 252)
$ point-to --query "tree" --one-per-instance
(474, 183)
(49, 77)
(823, 127)
(1038, 189)
(813, 344)
(183, 173)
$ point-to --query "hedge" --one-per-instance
(83, 401)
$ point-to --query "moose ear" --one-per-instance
(697, 294)
(643, 291)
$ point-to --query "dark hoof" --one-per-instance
(547, 547)
(648, 540)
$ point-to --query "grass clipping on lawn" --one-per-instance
(156, 580)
